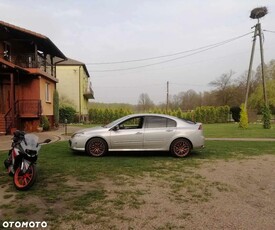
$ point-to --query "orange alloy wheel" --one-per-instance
(23, 181)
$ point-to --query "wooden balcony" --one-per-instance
(28, 108)
(31, 61)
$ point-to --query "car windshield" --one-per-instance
(113, 123)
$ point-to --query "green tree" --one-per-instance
(256, 99)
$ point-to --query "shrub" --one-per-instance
(67, 112)
(56, 108)
(236, 113)
(266, 117)
(243, 118)
(45, 123)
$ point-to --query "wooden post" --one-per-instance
(35, 57)
(12, 104)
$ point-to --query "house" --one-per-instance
(75, 86)
(27, 78)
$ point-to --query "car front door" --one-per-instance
(128, 135)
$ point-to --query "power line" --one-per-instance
(169, 55)
(270, 31)
(177, 58)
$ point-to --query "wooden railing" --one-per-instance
(29, 60)
(22, 109)
(28, 108)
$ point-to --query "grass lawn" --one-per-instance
(232, 130)
(70, 185)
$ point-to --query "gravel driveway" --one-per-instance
(231, 194)
(234, 194)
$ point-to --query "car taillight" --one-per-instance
(200, 127)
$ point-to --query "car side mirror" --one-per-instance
(116, 128)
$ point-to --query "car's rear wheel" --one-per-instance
(180, 147)
(96, 147)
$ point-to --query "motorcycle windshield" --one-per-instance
(30, 142)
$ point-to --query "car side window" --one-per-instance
(171, 123)
(132, 123)
(159, 122)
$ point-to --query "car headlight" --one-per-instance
(77, 135)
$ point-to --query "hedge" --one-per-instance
(204, 114)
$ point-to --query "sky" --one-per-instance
(113, 37)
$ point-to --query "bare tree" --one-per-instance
(190, 100)
(224, 88)
(144, 102)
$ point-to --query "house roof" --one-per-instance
(11, 32)
(72, 62)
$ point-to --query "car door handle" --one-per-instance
(169, 130)
(138, 133)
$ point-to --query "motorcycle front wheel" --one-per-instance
(23, 181)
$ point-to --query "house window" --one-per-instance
(47, 93)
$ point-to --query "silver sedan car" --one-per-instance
(140, 132)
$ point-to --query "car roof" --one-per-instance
(154, 115)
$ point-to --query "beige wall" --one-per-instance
(47, 105)
(73, 83)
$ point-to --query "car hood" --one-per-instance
(93, 129)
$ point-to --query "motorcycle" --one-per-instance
(21, 161)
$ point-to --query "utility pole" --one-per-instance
(167, 96)
(257, 13)
(262, 62)
(250, 66)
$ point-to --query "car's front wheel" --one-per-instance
(96, 147)
(180, 147)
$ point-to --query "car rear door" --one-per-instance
(158, 132)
